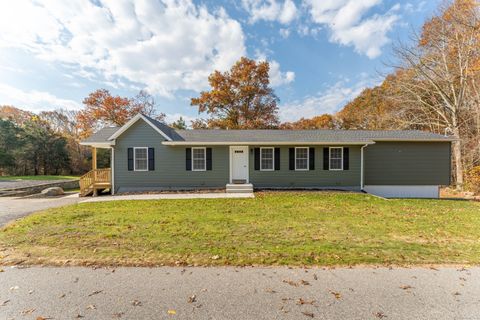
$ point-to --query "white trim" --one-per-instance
(330, 158)
(262, 143)
(135, 158)
(132, 121)
(245, 149)
(204, 158)
(446, 139)
(308, 159)
(112, 165)
(100, 145)
(273, 159)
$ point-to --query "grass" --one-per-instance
(3, 178)
(291, 228)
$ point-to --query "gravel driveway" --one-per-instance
(12, 208)
(239, 293)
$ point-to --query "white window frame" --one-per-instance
(135, 158)
(273, 159)
(204, 158)
(308, 159)
(330, 158)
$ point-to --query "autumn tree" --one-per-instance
(103, 109)
(324, 121)
(439, 75)
(240, 98)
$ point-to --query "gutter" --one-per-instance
(261, 143)
(112, 164)
(362, 167)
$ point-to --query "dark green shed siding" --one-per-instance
(318, 178)
(407, 163)
(170, 171)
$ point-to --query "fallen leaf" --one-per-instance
(406, 287)
(4, 303)
(308, 314)
(216, 257)
(192, 299)
(136, 303)
(43, 318)
(14, 288)
(457, 293)
(28, 311)
(78, 316)
(380, 315)
(31, 291)
(91, 307)
(172, 312)
(95, 292)
(290, 282)
(302, 301)
(305, 283)
(315, 276)
(62, 296)
(337, 295)
(1, 270)
(118, 314)
(269, 290)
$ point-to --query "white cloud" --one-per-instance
(34, 100)
(277, 77)
(349, 26)
(165, 45)
(271, 10)
(330, 100)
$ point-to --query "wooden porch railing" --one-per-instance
(94, 180)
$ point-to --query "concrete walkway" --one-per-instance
(239, 293)
(163, 196)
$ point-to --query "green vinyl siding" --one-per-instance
(407, 163)
(318, 178)
(170, 171)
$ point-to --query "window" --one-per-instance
(301, 159)
(198, 159)
(141, 159)
(336, 159)
(266, 159)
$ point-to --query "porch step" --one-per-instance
(240, 188)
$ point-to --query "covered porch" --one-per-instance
(96, 180)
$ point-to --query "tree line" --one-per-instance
(433, 87)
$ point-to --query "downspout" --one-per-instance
(362, 168)
(112, 164)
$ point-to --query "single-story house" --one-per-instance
(149, 155)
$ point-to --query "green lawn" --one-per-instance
(2, 178)
(294, 228)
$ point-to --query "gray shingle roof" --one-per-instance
(253, 136)
(304, 135)
(101, 136)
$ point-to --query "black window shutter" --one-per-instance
(188, 159)
(325, 159)
(209, 158)
(151, 159)
(130, 159)
(291, 158)
(277, 158)
(311, 158)
(256, 156)
(346, 159)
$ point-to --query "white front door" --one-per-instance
(239, 164)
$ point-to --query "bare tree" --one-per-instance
(436, 78)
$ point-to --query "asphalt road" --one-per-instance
(239, 293)
(12, 208)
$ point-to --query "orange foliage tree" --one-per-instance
(103, 109)
(240, 98)
(324, 121)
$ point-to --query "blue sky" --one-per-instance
(322, 52)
